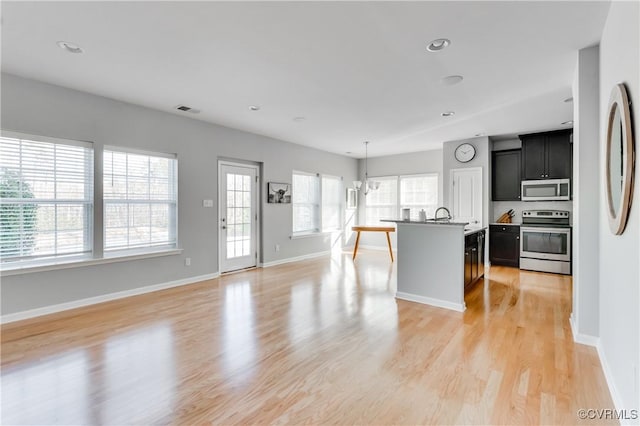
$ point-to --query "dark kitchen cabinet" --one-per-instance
(473, 258)
(559, 155)
(504, 245)
(506, 172)
(547, 155)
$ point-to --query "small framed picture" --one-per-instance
(352, 199)
(279, 193)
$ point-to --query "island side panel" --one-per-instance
(431, 265)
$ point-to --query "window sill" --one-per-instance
(309, 235)
(313, 234)
(78, 262)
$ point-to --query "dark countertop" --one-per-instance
(426, 222)
(474, 230)
(467, 231)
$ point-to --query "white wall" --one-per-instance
(620, 255)
(586, 217)
(502, 145)
(43, 109)
(397, 165)
(482, 159)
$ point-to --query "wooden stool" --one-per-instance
(384, 229)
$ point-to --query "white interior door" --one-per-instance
(466, 195)
(238, 216)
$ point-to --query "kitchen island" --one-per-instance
(432, 262)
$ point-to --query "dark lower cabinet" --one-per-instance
(473, 258)
(504, 245)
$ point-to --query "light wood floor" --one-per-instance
(316, 342)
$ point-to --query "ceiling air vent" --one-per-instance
(187, 109)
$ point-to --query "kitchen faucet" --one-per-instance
(447, 217)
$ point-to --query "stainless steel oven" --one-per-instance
(545, 241)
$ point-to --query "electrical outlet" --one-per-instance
(187, 261)
(207, 203)
(277, 247)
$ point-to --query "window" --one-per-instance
(46, 197)
(419, 192)
(331, 202)
(415, 192)
(140, 198)
(306, 201)
(383, 202)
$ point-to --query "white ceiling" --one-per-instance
(355, 70)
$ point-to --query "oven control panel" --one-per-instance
(541, 217)
(545, 213)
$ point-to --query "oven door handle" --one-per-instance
(545, 230)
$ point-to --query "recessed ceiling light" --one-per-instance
(479, 134)
(348, 152)
(448, 113)
(451, 80)
(298, 119)
(254, 108)
(438, 44)
(568, 100)
(567, 122)
(70, 47)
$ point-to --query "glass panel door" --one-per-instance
(545, 243)
(238, 217)
(540, 190)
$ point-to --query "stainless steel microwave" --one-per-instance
(546, 190)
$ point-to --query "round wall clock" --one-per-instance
(465, 152)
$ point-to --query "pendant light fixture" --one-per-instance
(368, 185)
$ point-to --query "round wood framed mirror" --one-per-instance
(619, 160)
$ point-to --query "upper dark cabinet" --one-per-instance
(546, 155)
(505, 175)
(559, 161)
(534, 156)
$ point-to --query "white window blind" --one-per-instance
(46, 197)
(140, 199)
(383, 202)
(306, 202)
(419, 192)
(331, 202)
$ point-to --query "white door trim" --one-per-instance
(258, 198)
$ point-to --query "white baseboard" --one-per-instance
(295, 259)
(32, 313)
(460, 307)
(584, 339)
(594, 341)
(615, 396)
